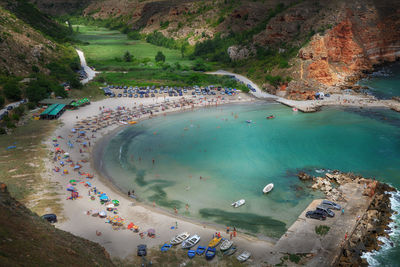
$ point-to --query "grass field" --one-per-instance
(104, 50)
(21, 167)
(104, 46)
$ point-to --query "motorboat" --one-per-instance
(191, 253)
(191, 241)
(271, 117)
(226, 244)
(230, 251)
(200, 250)
(244, 256)
(249, 121)
(210, 253)
(295, 109)
(214, 242)
(238, 203)
(166, 247)
(268, 188)
(180, 238)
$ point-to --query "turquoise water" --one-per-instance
(385, 82)
(236, 159)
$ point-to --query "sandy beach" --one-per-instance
(122, 243)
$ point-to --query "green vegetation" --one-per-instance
(103, 49)
(294, 258)
(322, 230)
(160, 57)
(33, 17)
(12, 90)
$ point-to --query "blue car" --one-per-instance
(141, 95)
(136, 96)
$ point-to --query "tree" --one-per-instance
(127, 57)
(134, 35)
(11, 90)
(160, 57)
(1, 101)
(35, 92)
(183, 50)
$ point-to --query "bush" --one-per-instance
(160, 57)
(164, 24)
(127, 57)
(31, 105)
(157, 38)
(134, 35)
(3, 131)
(35, 69)
(322, 230)
(20, 110)
(199, 66)
(12, 91)
(15, 117)
(10, 124)
(294, 258)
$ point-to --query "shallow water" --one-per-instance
(384, 83)
(237, 159)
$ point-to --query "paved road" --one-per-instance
(14, 105)
(89, 72)
(258, 93)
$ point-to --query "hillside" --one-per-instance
(262, 39)
(47, 245)
(22, 47)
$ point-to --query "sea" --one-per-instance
(200, 162)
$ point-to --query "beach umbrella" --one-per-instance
(72, 181)
(84, 143)
(104, 198)
(71, 188)
(88, 183)
(102, 213)
(62, 162)
(116, 202)
(54, 139)
(130, 226)
(66, 154)
(77, 167)
(73, 130)
(82, 132)
(110, 206)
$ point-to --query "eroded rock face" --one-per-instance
(368, 34)
(239, 53)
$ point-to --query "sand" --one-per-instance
(122, 243)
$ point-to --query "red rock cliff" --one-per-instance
(368, 34)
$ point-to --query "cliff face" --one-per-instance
(368, 33)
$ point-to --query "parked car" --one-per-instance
(328, 212)
(314, 214)
(10, 107)
(331, 205)
(130, 95)
(136, 96)
(119, 95)
(51, 218)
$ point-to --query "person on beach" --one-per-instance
(176, 225)
(153, 161)
(175, 210)
(342, 211)
(129, 193)
(227, 229)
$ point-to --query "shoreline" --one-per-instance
(138, 212)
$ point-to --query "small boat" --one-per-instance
(191, 241)
(230, 251)
(179, 238)
(214, 242)
(132, 122)
(244, 256)
(200, 250)
(295, 109)
(191, 254)
(166, 247)
(268, 188)
(249, 121)
(123, 122)
(226, 244)
(210, 253)
(238, 203)
(271, 117)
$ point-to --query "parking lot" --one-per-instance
(153, 91)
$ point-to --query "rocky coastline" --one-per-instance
(373, 224)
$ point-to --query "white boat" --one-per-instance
(268, 188)
(244, 256)
(191, 241)
(225, 245)
(179, 238)
(238, 203)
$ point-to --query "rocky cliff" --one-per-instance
(60, 7)
(367, 33)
